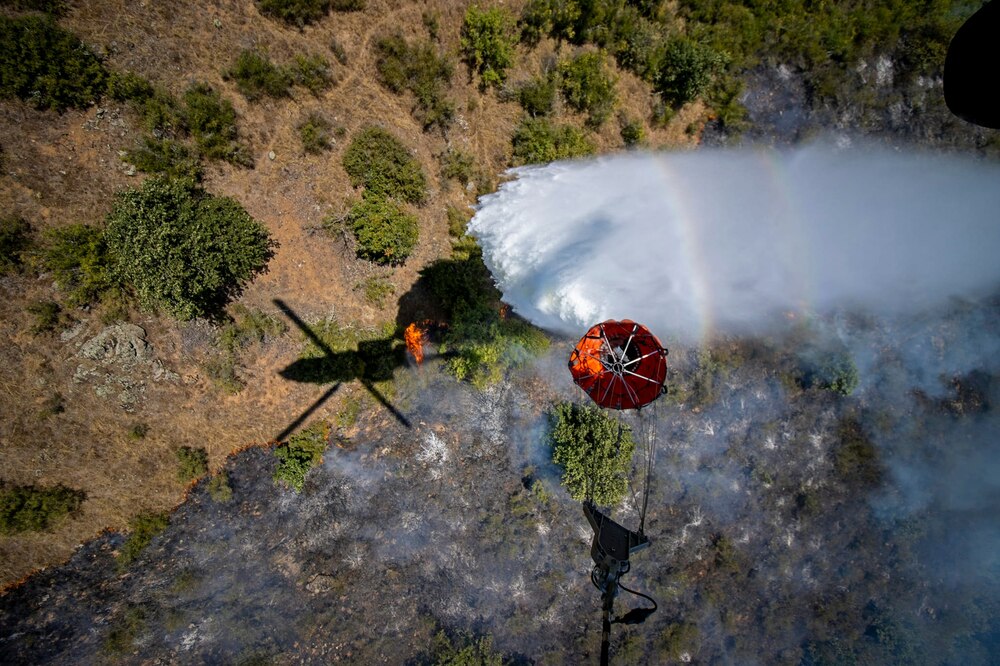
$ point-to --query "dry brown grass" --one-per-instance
(62, 169)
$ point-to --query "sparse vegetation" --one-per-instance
(487, 42)
(256, 76)
(538, 140)
(35, 508)
(312, 72)
(142, 530)
(138, 431)
(295, 12)
(303, 451)
(856, 459)
(465, 651)
(594, 452)
(376, 290)
(165, 156)
(632, 132)
(385, 233)
(381, 164)
(47, 66)
(182, 250)
(457, 165)
(458, 221)
(420, 69)
(192, 463)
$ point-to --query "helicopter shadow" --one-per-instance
(373, 361)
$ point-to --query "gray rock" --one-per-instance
(121, 345)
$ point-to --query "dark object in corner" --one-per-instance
(972, 68)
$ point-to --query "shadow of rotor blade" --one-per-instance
(304, 415)
(287, 311)
(388, 405)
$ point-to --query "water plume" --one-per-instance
(731, 240)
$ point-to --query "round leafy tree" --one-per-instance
(183, 250)
(592, 452)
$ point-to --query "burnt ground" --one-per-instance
(790, 524)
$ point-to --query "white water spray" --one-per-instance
(728, 240)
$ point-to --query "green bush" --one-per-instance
(538, 96)
(303, 451)
(632, 132)
(458, 221)
(457, 165)
(219, 489)
(487, 43)
(212, 122)
(129, 87)
(295, 12)
(164, 156)
(34, 509)
(537, 140)
(138, 431)
(385, 233)
(185, 251)
(379, 162)
(594, 451)
(191, 463)
(47, 316)
(14, 242)
(588, 86)
(421, 70)
(315, 134)
(142, 530)
(686, 71)
(838, 373)
(47, 66)
(465, 651)
(77, 257)
(256, 76)
(312, 72)
(249, 327)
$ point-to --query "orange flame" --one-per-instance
(414, 337)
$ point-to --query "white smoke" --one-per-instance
(728, 240)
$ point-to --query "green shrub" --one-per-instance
(303, 451)
(164, 156)
(47, 66)
(633, 134)
(487, 43)
(465, 651)
(457, 165)
(47, 316)
(421, 70)
(129, 87)
(185, 251)
(838, 373)
(458, 221)
(312, 73)
(54, 404)
(256, 76)
(34, 509)
(686, 71)
(538, 96)
(77, 257)
(191, 463)
(14, 241)
(315, 134)
(138, 431)
(379, 162)
(163, 115)
(594, 451)
(537, 140)
(385, 233)
(142, 530)
(295, 12)
(53, 7)
(212, 122)
(588, 86)
(219, 489)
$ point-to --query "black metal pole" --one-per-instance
(609, 602)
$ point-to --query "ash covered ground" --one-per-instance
(790, 524)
